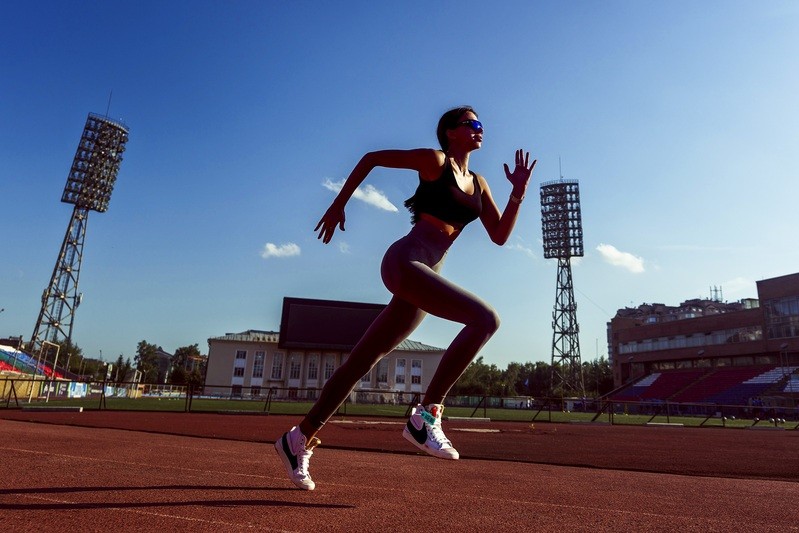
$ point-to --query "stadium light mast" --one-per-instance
(89, 185)
(562, 227)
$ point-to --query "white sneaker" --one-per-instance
(424, 431)
(295, 452)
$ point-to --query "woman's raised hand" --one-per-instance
(520, 176)
(334, 216)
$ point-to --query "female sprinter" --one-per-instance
(449, 196)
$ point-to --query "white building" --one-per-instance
(315, 338)
(251, 362)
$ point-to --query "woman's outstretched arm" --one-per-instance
(426, 161)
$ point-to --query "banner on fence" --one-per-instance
(77, 390)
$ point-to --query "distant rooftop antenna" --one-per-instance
(716, 294)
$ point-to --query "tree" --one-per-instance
(184, 354)
(92, 369)
(196, 378)
(147, 361)
(535, 379)
(122, 368)
(479, 379)
(598, 377)
(179, 374)
(69, 355)
(510, 379)
(528, 379)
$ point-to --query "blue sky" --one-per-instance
(679, 119)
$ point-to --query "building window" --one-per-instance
(416, 372)
(782, 317)
(295, 367)
(367, 378)
(255, 391)
(258, 365)
(399, 372)
(330, 366)
(236, 391)
(238, 372)
(277, 366)
(241, 354)
(382, 371)
(313, 368)
(710, 338)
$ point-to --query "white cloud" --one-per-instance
(365, 193)
(621, 259)
(343, 247)
(283, 250)
(521, 248)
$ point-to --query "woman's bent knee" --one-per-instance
(489, 320)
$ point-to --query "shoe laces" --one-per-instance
(436, 434)
(304, 456)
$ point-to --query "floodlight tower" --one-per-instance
(562, 226)
(89, 185)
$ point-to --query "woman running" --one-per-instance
(449, 196)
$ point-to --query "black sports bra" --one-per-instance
(445, 200)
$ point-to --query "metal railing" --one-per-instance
(28, 393)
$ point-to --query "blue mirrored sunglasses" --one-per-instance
(475, 125)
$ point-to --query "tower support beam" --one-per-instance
(567, 373)
(61, 297)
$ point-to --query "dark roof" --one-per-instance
(312, 324)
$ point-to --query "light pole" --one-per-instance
(16, 351)
(699, 356)
(89, 185)
(630, 376)
(783, 364)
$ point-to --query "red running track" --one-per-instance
(97, 471)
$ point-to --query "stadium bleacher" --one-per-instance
(742, 392)
(716, 383)
(726, 385)
(659, 385)
(25, 363)
(634, 392)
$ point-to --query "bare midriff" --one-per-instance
(450, 230)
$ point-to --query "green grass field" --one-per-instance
(399, 411)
